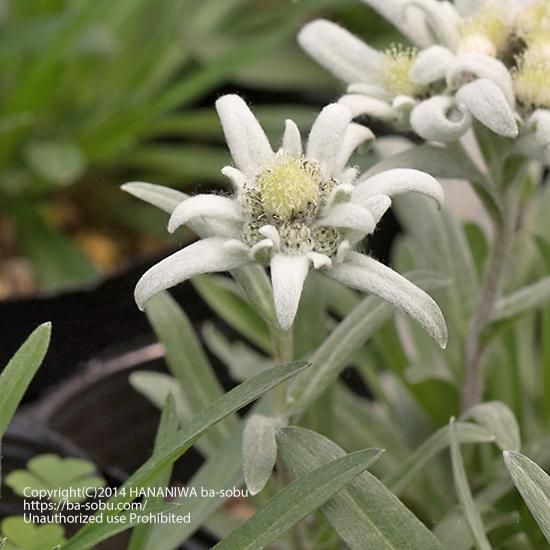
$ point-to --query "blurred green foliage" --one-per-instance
(93, 93)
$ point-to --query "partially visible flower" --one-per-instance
(486, 60)
(434, 91)
(293, 210)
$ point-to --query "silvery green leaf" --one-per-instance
(365, 514)
(522, 301)
(464, 493)
(498, 419)
(167, 428)
(487, 103)
(466, 432)
(440, 119)
(241, 360)
(297, 500)
(226, 299)
(533, 483)
(186, 360)
(18, 373)
(259, 451)
(157, 387)
(335, 352)
(437, 160)
(165, 198)
(237, 398)
(214, 474)
(440, 243)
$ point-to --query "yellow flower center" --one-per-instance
(485, 32)
(533, 22)
(532, 77)
(396, 66)
(289, 187)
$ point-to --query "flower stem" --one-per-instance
(283, 351)
(474, 381)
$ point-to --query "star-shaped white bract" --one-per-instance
(484, 60)
(293, 210)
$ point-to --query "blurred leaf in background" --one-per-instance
(95, 93)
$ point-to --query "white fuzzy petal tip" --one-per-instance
(237, 178)
(292, 139)
(349, 216)
(326, 138)
(344, 55)
(363, 105)
(377, 205)
(245, 137)
(288, 275)
(398, 181)
(364, 273)
(431, 65)
(439, 119)
(204, 256)
(487, 103)
(211, 206)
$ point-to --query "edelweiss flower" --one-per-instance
(485, 60)
(436, 91)
(293, 210)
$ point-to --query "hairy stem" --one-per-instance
(474, 381)
(283, 351)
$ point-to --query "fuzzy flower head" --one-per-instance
(292, 210)
(483, 60)
(434, 91)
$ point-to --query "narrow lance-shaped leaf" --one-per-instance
(168, 426)
(465, 498)
(334, 353)
(215, 474)
(187, 360)
(225, 299)
(232, 401)
(439, 440)
(297, 500)
(497, 418)
(522, 301)
(19, 372)
(533, 483)
(259, 451)
(365, 514)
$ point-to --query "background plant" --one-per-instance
(92, 93)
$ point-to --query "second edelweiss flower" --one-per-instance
(292, 210)
(433, 91)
